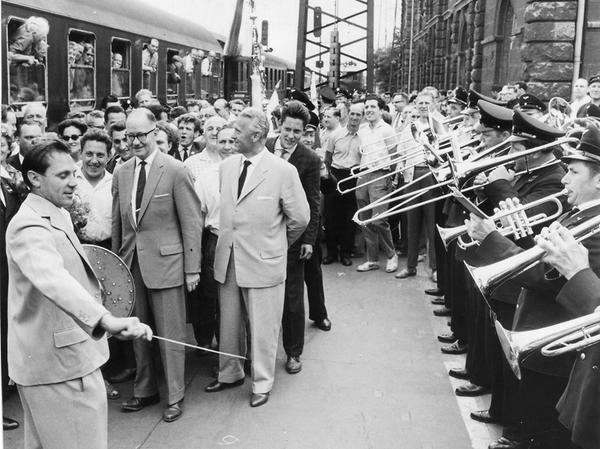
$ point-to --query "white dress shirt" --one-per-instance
(136, 174)
(98, 199)
(253, 161)
(207, 188)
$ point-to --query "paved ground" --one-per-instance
(377, 380)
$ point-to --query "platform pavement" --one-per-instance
(376, 381)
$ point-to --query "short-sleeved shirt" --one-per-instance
(148, 59)
(376, 142)
(344, 147)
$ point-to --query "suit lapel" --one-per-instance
(127, 172)
(258, 175)
(156, 172)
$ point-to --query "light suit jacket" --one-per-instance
(271, 213)
(168, 233)
(54, 299)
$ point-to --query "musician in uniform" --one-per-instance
(543, 380)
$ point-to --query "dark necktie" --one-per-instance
(139, 192)
(185, 154)
(242, 179)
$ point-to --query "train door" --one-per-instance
(173, 75)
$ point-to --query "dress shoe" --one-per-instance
(442, 311)
(447, 338)
(438, 301)
(9, 424)
(136, 404)
(123, 376)
(346, 261)
(328, 260)
(392, 264)
(293, 365)
(324, 324)
(406, 272)
(483, 416)
(471, 390)
(458, 373)
(215, 386)
(367, 266)
(434, 292)
(505, 443)
(455, 348)
(258, 399)
(173, 412)
(111, 392)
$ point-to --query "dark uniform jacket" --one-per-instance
(537, 305)
(308, 165)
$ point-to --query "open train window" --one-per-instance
(120, 67)
(82, 69)
(150, 66)
(190, 67)
(26, 57)
(174, 71)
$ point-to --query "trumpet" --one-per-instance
(518, 228)
(489, 277)
(553, 340)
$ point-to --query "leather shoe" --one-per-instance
(9, 424)
(328, 260)
(471, 390)
(438, 301)
(455, 348)
(324, 324)
(136, 404)
(258, 399)
(215, 386)
(173, 412)
(405, 272)
(111, 392)
(123, 376)
(483, 416)
(442, 311)
(345, 261)
(458, 373)
(505, 443)
(293, 365)
(434, 292)
(447, 338)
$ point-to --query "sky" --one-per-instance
(216, 15)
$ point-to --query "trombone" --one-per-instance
(489, 277)
(519, 227)
(571, 335)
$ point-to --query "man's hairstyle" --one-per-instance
(171, 132)
(76, 115)
(336, 112)
(29, 123)
(295, 109)
(404, 95)
(222, 100)
(190, 118)
(113, 110)
(92, 115)
(30, 106)
(82, 127)
(177, 111)
(116, 127)
(156, 108)
(38, 159)
(226, 126)
(141, 93)
(97, 135)
(41, 23)
(148, 114)
(110, 98)
(377, 98)
(237, 101)
(260, 123)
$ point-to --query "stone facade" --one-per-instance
(482, 43)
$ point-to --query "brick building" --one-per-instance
(479, 43)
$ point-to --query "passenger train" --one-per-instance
(112, 30)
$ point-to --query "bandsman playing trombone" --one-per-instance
(543, 380)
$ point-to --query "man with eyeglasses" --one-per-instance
(29, 134)
(157, 231)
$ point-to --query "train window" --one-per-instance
(174, 65)
(150, 66)
(189, 67)
(26, 57)
(82, 69)
(120, 66)
(289, 79)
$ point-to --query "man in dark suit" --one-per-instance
(188, 127)
(294, 117)
(157, 230)
(543, 379)
(29, 134)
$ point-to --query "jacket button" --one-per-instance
(582, 356)
(595, 367)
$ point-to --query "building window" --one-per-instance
(82, 69)
(120, 51)
(505, 31)
(27, 64)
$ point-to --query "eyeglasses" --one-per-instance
(142, 137)
(71, 137)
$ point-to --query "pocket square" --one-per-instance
(162, 195)
(264, 198)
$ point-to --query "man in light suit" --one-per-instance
(157, 230)
(263, 211)
(56, 328)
